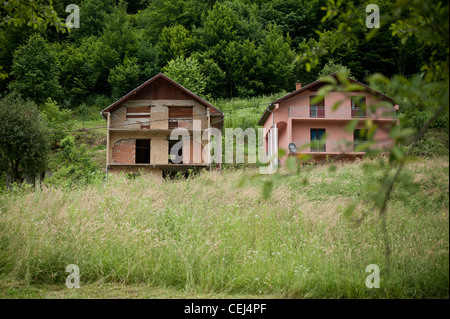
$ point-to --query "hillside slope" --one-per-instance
(208, 236)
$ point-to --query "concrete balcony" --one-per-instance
(341, 113)
(338, 147)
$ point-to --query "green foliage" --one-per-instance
(93, 14)
(149, 60)
(165, 13)
(435, 143)
(215, 79)
(187, 72)
(220, 25)
(243, 66)
(179, 236)
(277, 60)
(75, 166)
(331, 67)
(24, 145)
(124, 77)
(175, 42)
(56, 120)
(37, 14)
(245, 48)
(35, 71)
(76, 70)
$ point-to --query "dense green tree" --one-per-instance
(38, 14)
(265, 34)
(23, 146)
(220, 25)
(165, 13)
(299, 18)
(56, 119)
(76, 72)
(248, 26)
(149, 60)
(93, 17)
(124, 77)
(277, 59)
(12, 39)
(243, 67)
(331, 67)
(174, 42)
(215, 79)
(187, 72)
(118, 33)
(35, 71)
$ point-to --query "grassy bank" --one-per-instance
(206, 236)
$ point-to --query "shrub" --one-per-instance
(75, 166)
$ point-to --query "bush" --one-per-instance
(434, 143)
(75, 166)
(24, 144)
(56, 120)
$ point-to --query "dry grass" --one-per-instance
(208, 237)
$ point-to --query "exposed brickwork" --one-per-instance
(124, 151)
(145, 115)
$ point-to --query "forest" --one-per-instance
(217, 49)
(234, 53)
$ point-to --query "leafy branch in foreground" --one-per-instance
(35, 13)
(425, 21)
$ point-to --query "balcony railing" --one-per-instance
(341, 146)
(358, 112)
(317, 112)
(328, 112)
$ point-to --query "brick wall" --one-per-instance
(124, 151)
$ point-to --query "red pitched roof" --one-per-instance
(126, 97)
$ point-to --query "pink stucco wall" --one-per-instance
(298, 126)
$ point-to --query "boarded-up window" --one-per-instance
(179, 114)
(139, 114)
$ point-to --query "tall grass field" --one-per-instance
(214, 235)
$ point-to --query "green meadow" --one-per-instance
(214, 236)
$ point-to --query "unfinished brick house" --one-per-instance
(140, 124)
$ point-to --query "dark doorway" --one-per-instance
(142, 151)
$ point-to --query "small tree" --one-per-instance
(23, 143)
(174, 42)
(56, 120)
(36, 71)
(331, 67)
(188, 73)
(74, 165)
(124, 77)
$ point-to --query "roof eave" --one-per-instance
(148, 82)
(306, 87)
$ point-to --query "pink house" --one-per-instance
(318, 129)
